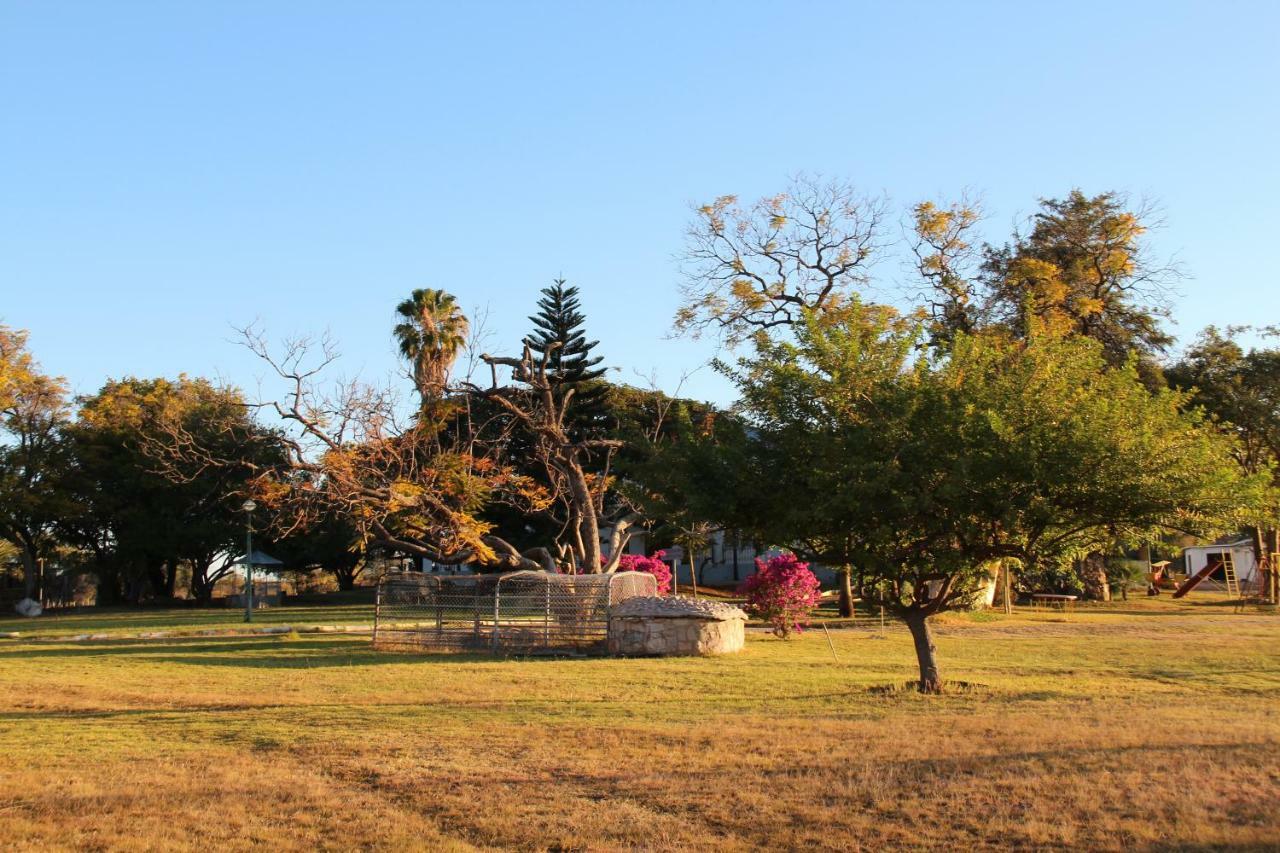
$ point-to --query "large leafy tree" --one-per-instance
(917, 472)
(756, 271)
(1241, 390)
(430, 332)
(138, 512)
(327, 543)
(33, 412)
(1083, 267)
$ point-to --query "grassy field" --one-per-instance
(123, 622)
(1151, 724)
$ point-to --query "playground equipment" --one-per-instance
(1262, 585)
(1222, 560)
(1157, 576)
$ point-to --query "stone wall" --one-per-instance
(648, 635)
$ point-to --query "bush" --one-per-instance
(652, 564)
(1048, 576)
(783, 592)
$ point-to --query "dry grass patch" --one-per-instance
(1110, 730)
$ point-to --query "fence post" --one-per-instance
(377, 609)
(497, 596)
(546, 613)
(436, 597)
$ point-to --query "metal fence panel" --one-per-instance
(521, 612)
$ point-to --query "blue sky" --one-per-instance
(168, 170)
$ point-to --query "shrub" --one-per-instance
(783, 592)
(652, 564)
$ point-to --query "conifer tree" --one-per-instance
(570, 365)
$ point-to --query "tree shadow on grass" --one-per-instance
(273, 651)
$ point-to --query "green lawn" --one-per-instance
(1149, 724)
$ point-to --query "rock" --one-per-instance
(675, 626)
(676, 607)
(28, 607)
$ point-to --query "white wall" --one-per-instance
(1241, 554)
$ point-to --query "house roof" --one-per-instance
(1225, 542)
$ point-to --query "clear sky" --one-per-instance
(169, 169)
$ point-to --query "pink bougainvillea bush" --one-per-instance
(652, 564)
(783, 592)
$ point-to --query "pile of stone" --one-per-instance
(649, 625)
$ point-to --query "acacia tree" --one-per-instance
(33, 411)
(760, 270)
(919, 471)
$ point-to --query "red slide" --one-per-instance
(1196, 579)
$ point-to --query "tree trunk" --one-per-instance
(346, 576)
(156, 580)
(1272, 578)
(1092, 571)
(30, 571)
(588, 528)
(846, 591)
(201, 587)
(1263, 548)
(108, 593)
(1258, 538)
(930, 678)
(171, 577)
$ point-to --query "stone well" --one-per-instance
(647, 625)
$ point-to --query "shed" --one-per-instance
(1198, 556)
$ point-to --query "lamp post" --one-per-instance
(248, 506)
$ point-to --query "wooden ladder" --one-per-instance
(1229, 574)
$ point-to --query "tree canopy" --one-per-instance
(918, 468)
(33, 409)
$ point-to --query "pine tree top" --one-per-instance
(560, 320)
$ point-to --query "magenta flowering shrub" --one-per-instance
(783, 592)
(652, 564)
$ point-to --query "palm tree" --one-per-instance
(430, 334)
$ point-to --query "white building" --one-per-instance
(1198, 556)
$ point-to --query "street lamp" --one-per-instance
(248, 506)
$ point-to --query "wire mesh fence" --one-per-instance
(522, 612)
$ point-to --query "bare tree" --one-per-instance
(413, 484)
(534, 404)
(760, 267)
